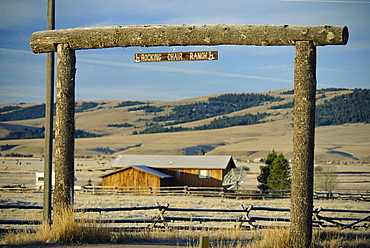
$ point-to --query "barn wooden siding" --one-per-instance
(134, 177)
(190, 177)
(131, 177)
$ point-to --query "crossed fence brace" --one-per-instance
(246, 217)
(334, 220)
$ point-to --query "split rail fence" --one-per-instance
(179, 218)
(240, 193)
(220, 192)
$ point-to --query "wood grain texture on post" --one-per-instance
(187, 35)
(64, 129)
(303, 144)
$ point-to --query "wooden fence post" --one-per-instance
(64, 129)
(204, 242)
(303, 144)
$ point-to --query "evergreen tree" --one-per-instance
(265, 171)
(270, 157)
(275, 174)
(262, 178)
(279, 178)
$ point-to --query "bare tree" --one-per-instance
(326, 178)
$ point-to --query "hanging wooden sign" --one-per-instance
(176, 56)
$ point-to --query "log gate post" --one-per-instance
(304, 38)
(303, 144)
(64, 130)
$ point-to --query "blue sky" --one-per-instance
(112, 74)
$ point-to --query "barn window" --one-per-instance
(178, 173)
(204, 173)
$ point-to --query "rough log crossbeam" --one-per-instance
(187, 35)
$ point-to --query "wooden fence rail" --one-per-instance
(163, 219)
(220, 192)
(203, 192)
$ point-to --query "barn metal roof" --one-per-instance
(142, 168)
(173, 161)
(152, 171)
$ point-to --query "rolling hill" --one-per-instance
(219, 125)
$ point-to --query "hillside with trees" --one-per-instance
(39, 133)
(348, 108)
(318, 91)
(283, 106)
(9, 108)
(221, 122)
(14, 113)
(215, 106)
(147, 109)
(129, 103)
(259, 121)
(85, 106)
(353, 107)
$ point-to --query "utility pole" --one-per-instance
(49, 113)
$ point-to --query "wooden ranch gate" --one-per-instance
(304, 38)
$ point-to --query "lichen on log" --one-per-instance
(187, 35)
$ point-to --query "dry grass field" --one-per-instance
(70, 232)
(22, 171)
(89, 200)
(19, 171)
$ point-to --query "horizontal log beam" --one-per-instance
(187, 35)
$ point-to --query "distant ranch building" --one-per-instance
(167, 170)
(258, 160)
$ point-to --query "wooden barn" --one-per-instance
(136, 175)
(168, 170)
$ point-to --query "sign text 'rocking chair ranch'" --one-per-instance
(176, 56)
